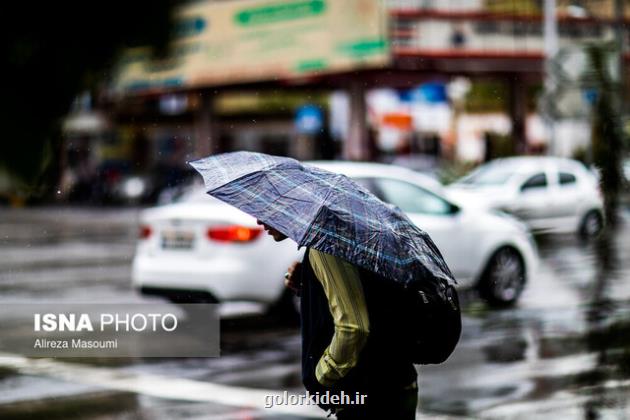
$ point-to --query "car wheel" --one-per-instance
(592, 224)
(503, 279)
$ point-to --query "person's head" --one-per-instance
(277, 236)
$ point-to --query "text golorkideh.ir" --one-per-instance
(315, 398)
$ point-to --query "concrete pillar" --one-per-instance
(357, 145)
(303, 147)
(518, 113)
(205, 127)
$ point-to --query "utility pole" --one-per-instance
(550, 34)
(619, 43)
(357, 146)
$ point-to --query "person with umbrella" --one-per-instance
(361, 256)
(336, 329)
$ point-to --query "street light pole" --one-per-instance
(550, 35)
(456, 90)
(619, 20)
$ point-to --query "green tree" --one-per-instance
(50, 52)
(607, 133)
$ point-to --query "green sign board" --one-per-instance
(240, 41)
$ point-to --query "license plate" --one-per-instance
(177, 239)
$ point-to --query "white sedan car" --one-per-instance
(200, 249)
(550, 194)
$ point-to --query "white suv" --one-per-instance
(550, 194)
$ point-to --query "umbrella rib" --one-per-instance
(353, 243)
(333, 187)
(294, 187)
(235, 180)
(319, 211)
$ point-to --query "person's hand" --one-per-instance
(290, 278)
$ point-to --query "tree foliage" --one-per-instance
(50, 52)
(607, 133)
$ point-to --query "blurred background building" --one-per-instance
(410, 81)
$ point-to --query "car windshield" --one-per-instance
(489, 175)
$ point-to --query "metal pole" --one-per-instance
(619, 18)
(550, 29)
(550, 34)
(356, 146)
(205, 126)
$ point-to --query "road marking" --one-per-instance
(156, 385)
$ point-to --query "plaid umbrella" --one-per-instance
(325, 211)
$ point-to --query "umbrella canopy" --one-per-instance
(326, 211)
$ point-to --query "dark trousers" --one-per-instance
(399, 405)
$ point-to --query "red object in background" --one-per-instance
(397, 120)
(145, 232)
(233, 233)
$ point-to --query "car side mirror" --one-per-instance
(454, 209)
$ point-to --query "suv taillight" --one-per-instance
(144, 232)
(233, 233)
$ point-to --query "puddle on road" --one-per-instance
(567, 342)
(574, 352)
(97, 405)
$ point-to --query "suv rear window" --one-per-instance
(567, 178)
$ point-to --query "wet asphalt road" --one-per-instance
(562, 352)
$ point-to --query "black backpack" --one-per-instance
(422, 318)
(435, 316)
